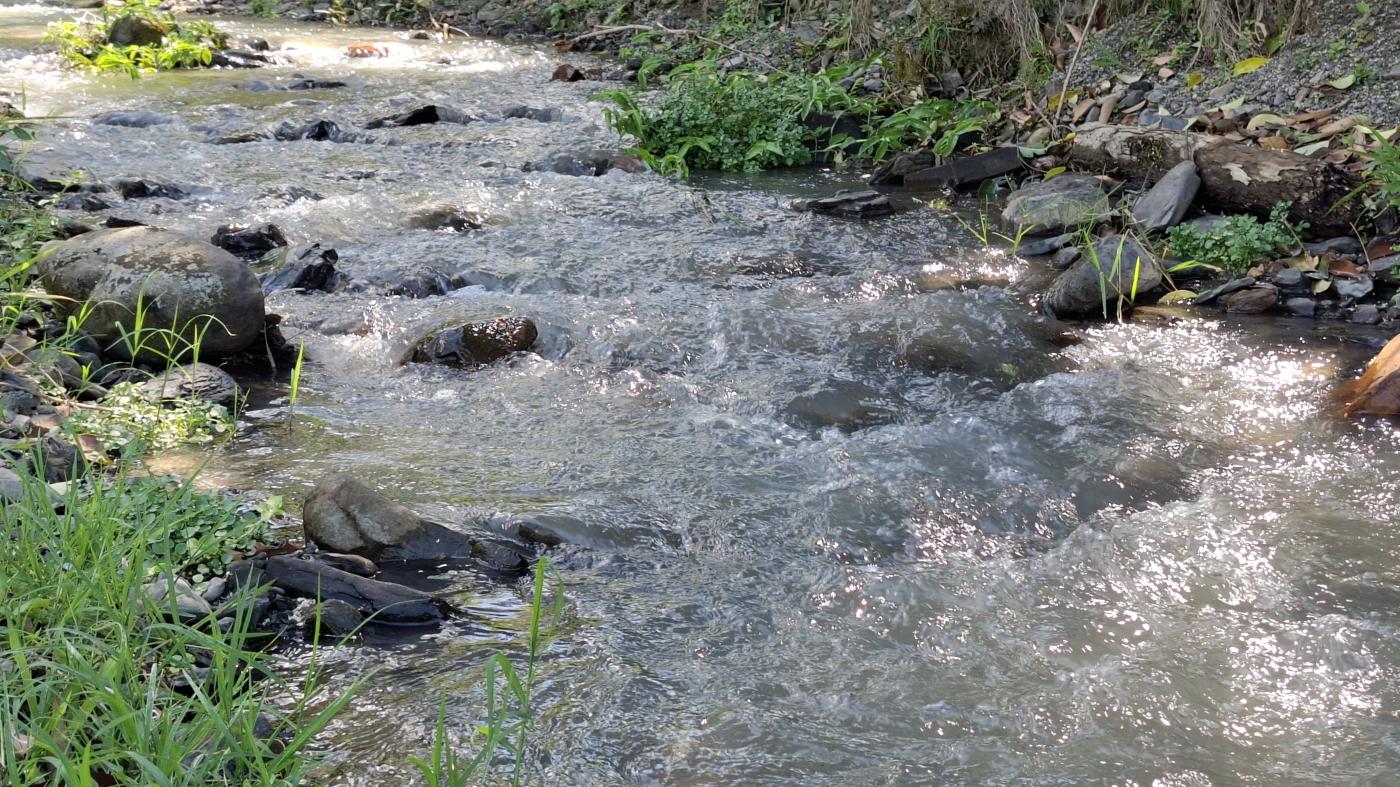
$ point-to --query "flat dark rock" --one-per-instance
(387, 601)
(964, 172)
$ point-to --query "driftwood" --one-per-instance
(1243, 179)
(1235, 178)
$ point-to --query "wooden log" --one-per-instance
(1134, 152)
(1245, 179)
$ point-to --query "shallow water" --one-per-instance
(1149, 557)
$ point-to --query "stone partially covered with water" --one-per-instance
(343, 515)
(476, 343)
(192, 381)
(432, 113)
(387, 601)
(1055, 205)
(182, 283)
(845, 404)
(248, 241)
(849, 204)
(1102, 275)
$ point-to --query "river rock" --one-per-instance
(849, 204)
(1353, 289)
(476, 343)
(343, 515)
(448, 218)
(136, 119)
(1166, 203)
(1039, 246)
(311, 130)
(387, 601)
(355, 564)
(314, 84)
(433, 113)
(585, 164)
(334, 618)
(136, 30)
(189, 605)
(540, 114)
(567, 73)
(310, 269)
(1256, 299)
(83, 201)
(238, 58)
(1077, 292)
(1377, 392)
(192, 381)
(182, 282)
(893, 170)
(1058, 204)
(248, 241)
(135, 188)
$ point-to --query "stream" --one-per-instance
(842, 516)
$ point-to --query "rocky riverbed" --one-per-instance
(836, 502)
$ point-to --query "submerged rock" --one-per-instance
(248, 241)
(446, 218)
(182, 284)
(1103, 274)
(844, 404)
(586, 164)
(850, 204)
(540, 114)
(334, 618)
(433, 113)
(476, 343)
(1255, 299)
(1052, 206)
(238, 58)
(143, 189)
(131, 119)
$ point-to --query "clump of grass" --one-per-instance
(99, 685)
(85, 42)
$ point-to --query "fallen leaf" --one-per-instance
(1075, 33)
(1250, 65)
(1082, 109)
(1273, 143)
(1338, 157)
(1129, 78)
(1138, 107)
(1176, 296)
(1342, 82)
(1265, 119)
(1306, 263)
(1229, 106)
(1315, 147)
(1053, 171)
(1381, 248)
(1343, 268)
(1163, 59)
(1321, 286)
(1195, 78)
(1165, 73)
(1308, 117)
(1337, 127)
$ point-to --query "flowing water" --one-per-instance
(838, 522)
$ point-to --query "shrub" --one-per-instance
(1385, 169)
(747, 122)
(84, 42)
(127, 417)
(1236, 243)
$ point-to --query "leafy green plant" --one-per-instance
(1385, 170)
(85, 42)
(508, 705)
(132, 420)
(263, 9)
(1236, 243)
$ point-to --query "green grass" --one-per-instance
(98, 685)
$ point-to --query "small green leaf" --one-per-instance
(1176, 296)
(1342, 82)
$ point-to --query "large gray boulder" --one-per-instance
(1093, 285)
(1052, 206)
(1166, 203)
(184, 284)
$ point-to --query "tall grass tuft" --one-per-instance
(99, 685)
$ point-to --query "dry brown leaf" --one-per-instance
(1081, 109)
(1338, 157)
(1165, 73)
(1381, 248)
(1337, 127)
(1163, 59)
(1075, 33)
(1106, 111)
(1343, 268)
(1274, 143)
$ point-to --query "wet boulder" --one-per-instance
(310, 269)
(868, 204)
(135, 188)
(306, 130)
(388, 602)
(447, 218)
(334, 618)
(1256, 299)
(586, 164)
(183, 284)
(1113, 269)
(84, 201)
(192, 381)
(1055, 205)
(248, 241)
(314, 84)
(238, 58)
(567, 73)
(968, 171)
(433, 113)
(476, 343)
(343, 515)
